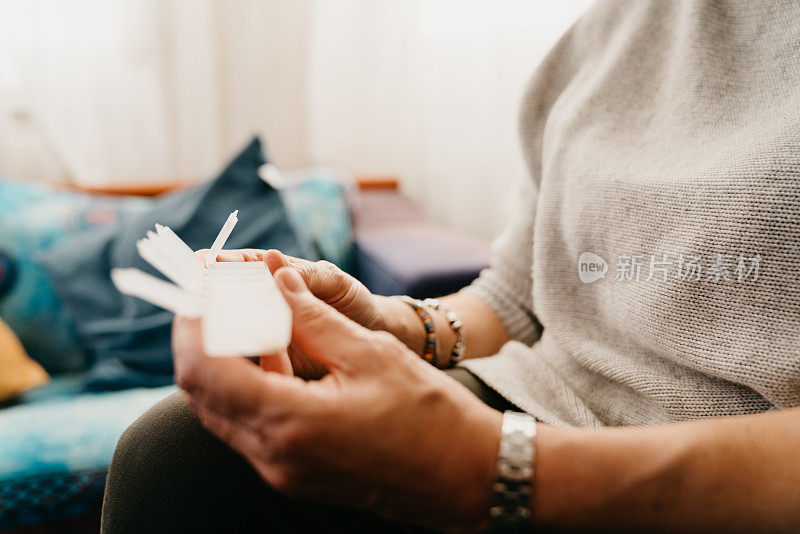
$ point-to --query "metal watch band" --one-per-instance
(514, 479)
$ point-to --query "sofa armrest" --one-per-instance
(399, 251)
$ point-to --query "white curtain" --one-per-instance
(105, 91)
(429, 90)
(121, 91)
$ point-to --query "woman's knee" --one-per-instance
(160, 468)
(149, 448)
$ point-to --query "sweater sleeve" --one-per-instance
(507, 285)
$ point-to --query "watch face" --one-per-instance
(7, 272)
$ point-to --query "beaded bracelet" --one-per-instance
(460, 346)
(431, 341)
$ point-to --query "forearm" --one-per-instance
(736, 474)
(484, 331)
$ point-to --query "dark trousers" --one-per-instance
(169, 474)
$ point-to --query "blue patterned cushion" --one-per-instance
(36, 500)
(54, 453)
(33, 219)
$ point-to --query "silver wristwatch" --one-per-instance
(514, 480)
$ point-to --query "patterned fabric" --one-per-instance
(54, 452)
(34, 218)
(37, 499)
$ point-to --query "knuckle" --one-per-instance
(282, 443)
(329, 273)
(325, 265)
(386, 341)
(281, 479)
(431, 395)
(186, 378)
(290, 441)
(220, 427)
(287, 476)
(306, 270)
(379, 344)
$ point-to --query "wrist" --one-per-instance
(470, 468)
(383, 313)
(485, 467)
(397, 318)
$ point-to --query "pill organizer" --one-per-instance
(241, 309)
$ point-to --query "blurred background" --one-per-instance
(100, 92)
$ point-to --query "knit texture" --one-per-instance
(664, 137)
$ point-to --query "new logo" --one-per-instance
(591, 267)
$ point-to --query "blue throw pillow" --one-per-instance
(129, 339)
(35, 217)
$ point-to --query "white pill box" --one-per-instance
(242, 310)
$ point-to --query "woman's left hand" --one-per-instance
(383, 430)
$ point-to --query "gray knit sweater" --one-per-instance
(662, 139)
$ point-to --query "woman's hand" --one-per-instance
(328, 283)
(335, 287)
(325, 280)
(382, 430)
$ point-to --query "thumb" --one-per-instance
(321, 331)
(275, 260)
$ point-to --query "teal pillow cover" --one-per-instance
(129, 339)
(34, 218)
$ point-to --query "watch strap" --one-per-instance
(514, 475)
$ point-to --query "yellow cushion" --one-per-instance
(17, 371)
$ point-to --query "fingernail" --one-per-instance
(292, 281)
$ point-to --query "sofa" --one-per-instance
(56, 441)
